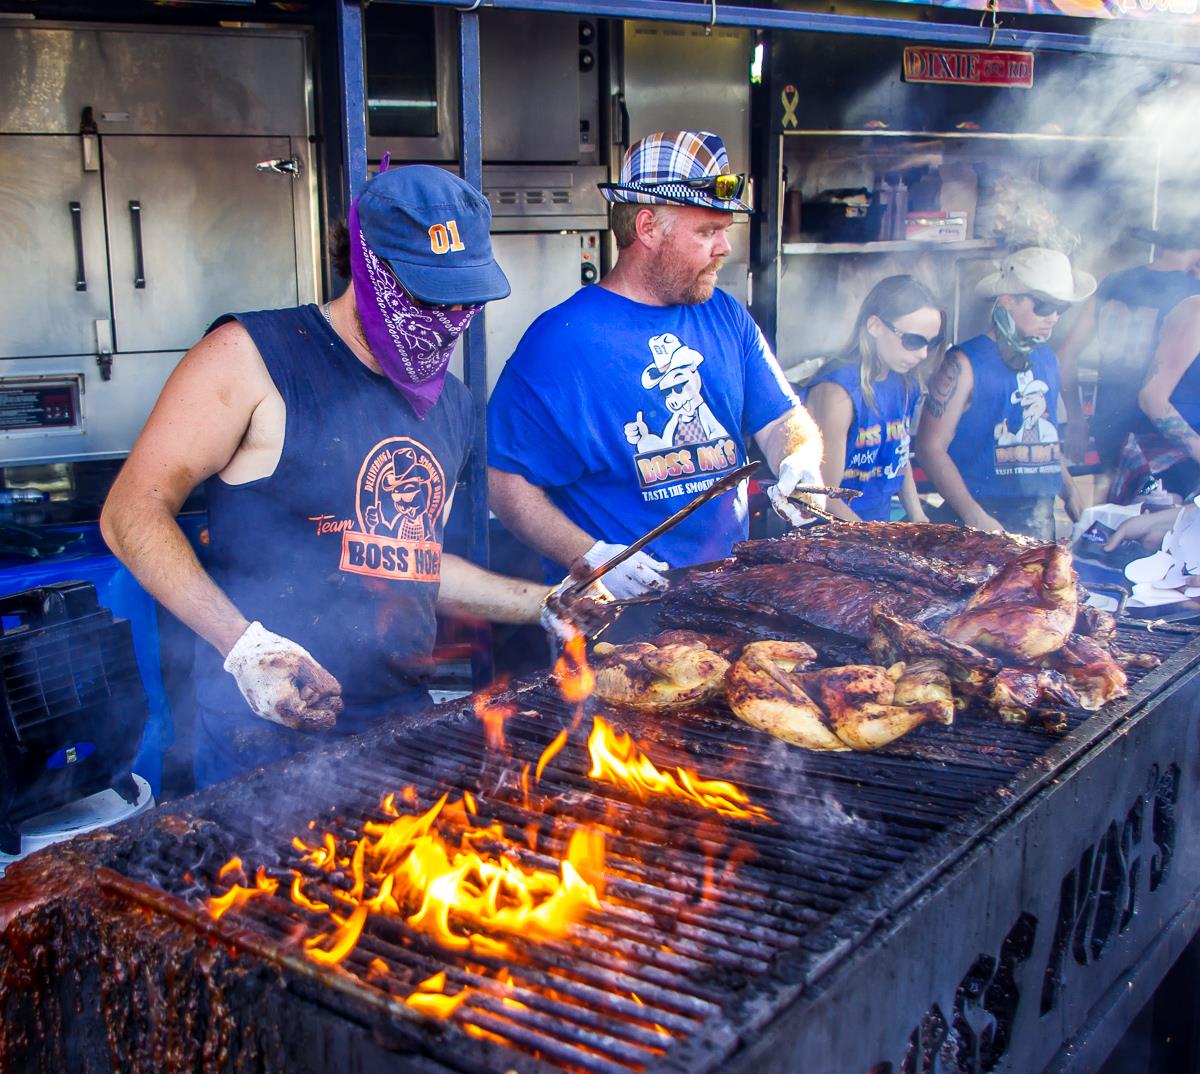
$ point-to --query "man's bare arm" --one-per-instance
(1178, 345)
(470, 590)
(528, 513)
(196, 428)
(949, 393)
(792, 432)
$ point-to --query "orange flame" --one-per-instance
(493, 715)
(445, 886)
(575, 678)
(237, 895)
(549, 753)
(617, 759)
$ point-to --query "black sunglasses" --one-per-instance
(1044, 307)
(914, 341)
(723, 187)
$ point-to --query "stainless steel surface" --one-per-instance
(531, 87)
(533, 197)
(114, 411)
(545, 268)
(534, 96)
(680, 78)
(153, 81)
(217, 235)
(41, 309)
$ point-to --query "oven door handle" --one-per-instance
(77, 230)
(139, 264)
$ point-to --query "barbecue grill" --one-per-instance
(974, 898)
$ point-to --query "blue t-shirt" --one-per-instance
(878, 440)
(623, 412)
(1006, 443)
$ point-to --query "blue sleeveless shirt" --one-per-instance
(877, 442)
(1006, 444)
(340, 548)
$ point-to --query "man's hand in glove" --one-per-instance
(796, 472)
(281, 681)
(565, 614)
(638, 575)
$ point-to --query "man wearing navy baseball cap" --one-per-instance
(624, 402)
(330, 439)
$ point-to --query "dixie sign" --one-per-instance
(968, 67)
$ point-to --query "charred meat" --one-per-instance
(1024, 611)
(795, 595)
(860, 707)
(648, 676)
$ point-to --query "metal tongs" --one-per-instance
(807, 507)
(724, 484)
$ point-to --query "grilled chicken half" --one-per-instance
(1024, 611)
(648, 676)
(859, 706)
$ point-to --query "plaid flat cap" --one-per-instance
(678, 168)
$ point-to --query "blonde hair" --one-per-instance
(890, 299)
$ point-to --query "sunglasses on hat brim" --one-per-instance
(724, 187)
(1045, 307)
(914, 341)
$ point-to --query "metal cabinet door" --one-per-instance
(195, 231)
(53, 274)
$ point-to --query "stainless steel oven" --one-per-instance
(544, 109)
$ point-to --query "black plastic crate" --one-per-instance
(72, 704)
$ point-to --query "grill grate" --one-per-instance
(696, 910)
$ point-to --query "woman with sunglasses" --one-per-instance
(864, 401)
(988, 437)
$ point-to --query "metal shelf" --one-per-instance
(892, 246)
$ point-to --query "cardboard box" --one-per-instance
(936, 227)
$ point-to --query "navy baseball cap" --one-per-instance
(433, 230)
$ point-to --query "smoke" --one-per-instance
(1107, 142)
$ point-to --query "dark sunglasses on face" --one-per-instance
(1045, 307)
(914, 341)
(724, 187)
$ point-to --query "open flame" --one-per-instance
(493, 714)
(617, 759)
(575, 679)
(445, 881)
(238, 894)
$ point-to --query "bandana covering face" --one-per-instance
(412, 343)
(1014, 347)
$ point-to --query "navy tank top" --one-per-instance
(340, 548)
(1006, 443)
(878, 440)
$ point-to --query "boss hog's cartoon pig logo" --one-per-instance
(674, 370)
(401, 492)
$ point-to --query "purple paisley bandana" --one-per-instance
(412, 343)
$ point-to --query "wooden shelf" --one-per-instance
(893, 246)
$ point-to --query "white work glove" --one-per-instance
(281, 682)
(565, 614)
(795, 472)
(639, 574)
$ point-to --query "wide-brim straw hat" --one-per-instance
(1037, 270)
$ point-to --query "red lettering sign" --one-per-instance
(968, 67)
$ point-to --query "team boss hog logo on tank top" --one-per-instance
(400, 494)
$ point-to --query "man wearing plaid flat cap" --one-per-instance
(622, 403)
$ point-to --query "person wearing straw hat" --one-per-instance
(625, 401)
(1125, 319)
(329, 439)
(987, 437)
